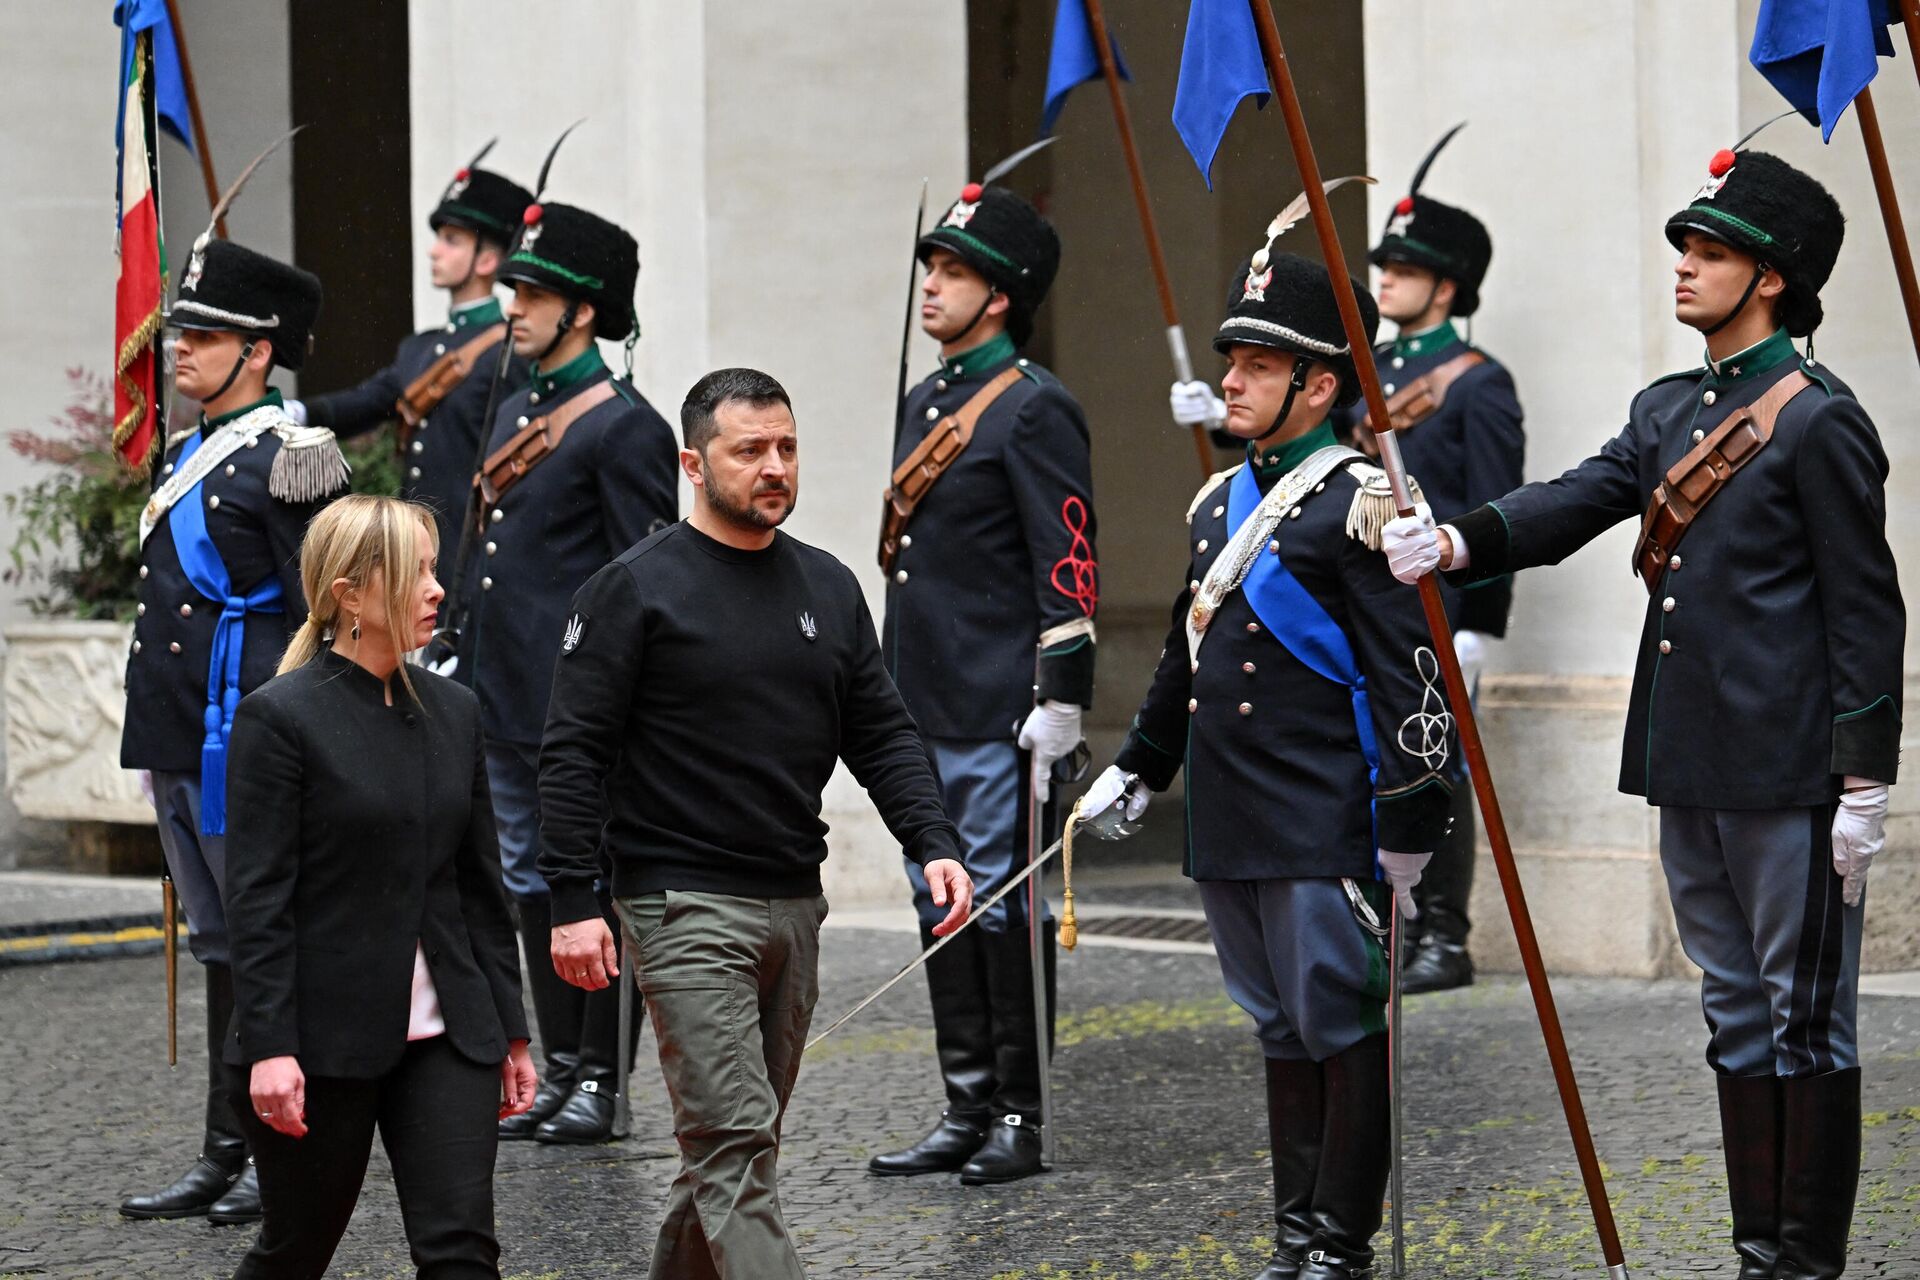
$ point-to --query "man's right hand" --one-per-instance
(1194, 404)
(279, 1093)
(1112, 790)
(584, 953)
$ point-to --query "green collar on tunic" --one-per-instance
(475, 315)
(1772, 352)
(578, 369)
(211, 424)
(1427, 341)
(996, 350)
(1283, 458)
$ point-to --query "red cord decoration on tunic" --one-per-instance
(1078, 562)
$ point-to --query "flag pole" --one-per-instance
(201, 146)
(1459, 702)
(1156, 255)
(1890, 206)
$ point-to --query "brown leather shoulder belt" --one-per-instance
(930, 460)
(1693, 481)
(1420, 399)
(531, 445)
(424, 394)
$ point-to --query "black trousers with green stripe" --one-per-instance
(1297, 958)
(1759, 910)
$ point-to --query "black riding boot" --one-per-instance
(223, 1148)
(1294, 1129)
(1013, 1148)
(557, 1009)
(1441, 962)
(1819, 1173)
(1750, 1134)
(1351, 1186)
(587, 1114)
(963, 1043)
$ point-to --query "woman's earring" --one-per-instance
(356, 627)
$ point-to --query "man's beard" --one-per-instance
(746, 515)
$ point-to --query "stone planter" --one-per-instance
(64, 701)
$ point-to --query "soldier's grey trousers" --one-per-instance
(730, 984)
(1298, 960)
(1759, 910)
(197, 863)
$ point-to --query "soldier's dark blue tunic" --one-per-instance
(438, 468)
(610, 484)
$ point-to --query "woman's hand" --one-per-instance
(518, 1081)
(279, 1091)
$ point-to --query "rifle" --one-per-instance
(442, 654)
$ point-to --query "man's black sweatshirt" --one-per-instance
(700, 700)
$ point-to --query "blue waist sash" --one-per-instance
(1299, 622)
(204, 568)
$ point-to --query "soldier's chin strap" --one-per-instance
(993, 291)
(1295, 385)
(246, 353)
(1759, 271)
(559, 331)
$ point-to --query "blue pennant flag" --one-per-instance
(1219, 65)
(1821, 53)
(169, 83)
(1075, 59)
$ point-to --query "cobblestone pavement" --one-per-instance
(1162, 1162)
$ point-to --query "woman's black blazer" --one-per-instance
(354, 830)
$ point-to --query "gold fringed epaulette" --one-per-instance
(1212, 482)
(1373, 504)
(309, 465)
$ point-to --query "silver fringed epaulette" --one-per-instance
(1207, 488)
(179, 437)
(1373, 504)
(309, 465)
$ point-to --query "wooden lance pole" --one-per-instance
(1156, 255)
(1890, 210)
(1457, 694)
(201, 146)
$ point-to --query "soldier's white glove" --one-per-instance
(1859, 833)
(1111, 791)
(296, 409)
(1412, 545)
(445, 666)
(1195, 405)
(1051, 733)
(1403, 872)
(1471, 648)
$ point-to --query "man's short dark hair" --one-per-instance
(756, 389)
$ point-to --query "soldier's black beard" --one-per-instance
(746, 515)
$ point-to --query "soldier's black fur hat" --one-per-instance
(1763, 206)
(230, 288)
(1006, 240)
(483, 202)
(1289, 304)
(1444, 239)
(580, 255)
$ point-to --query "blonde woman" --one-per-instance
(376, 972)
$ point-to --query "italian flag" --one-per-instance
(141, 292)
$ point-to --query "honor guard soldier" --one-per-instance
(1300, 689)
(219, 596)
(579, 468)
(436, 388)
(988, 551)
(1766, 705)
(1459, 427)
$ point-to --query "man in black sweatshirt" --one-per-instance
(708, 681)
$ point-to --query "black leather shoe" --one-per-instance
(242, 1201)
(585, 1117)
(1321, 1264)
(1438, 966)
(1010, 1153)
(191, 1195)
(548, 1098)
(1351, 1184)
(952, 1143)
